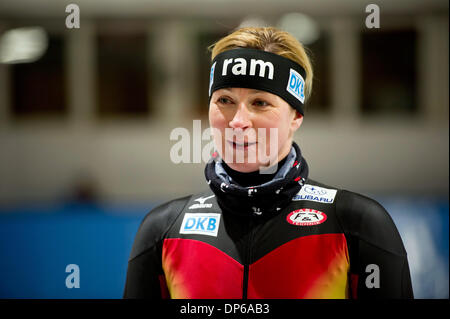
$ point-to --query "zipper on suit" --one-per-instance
(248, 258)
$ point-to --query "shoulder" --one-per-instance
(365, 218)
(156, 223)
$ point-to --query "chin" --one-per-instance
(244, 167)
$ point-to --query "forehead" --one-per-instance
(242, 91)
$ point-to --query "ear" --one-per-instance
(296, 121)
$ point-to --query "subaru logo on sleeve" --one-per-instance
(296, 85)
(315, 190)
(316, 194)
(200, 224)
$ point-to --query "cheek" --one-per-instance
(217, 124)
(277, 141)
(278, 124)
(216, 118)
(285, 124)
(284, 129)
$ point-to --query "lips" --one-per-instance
(243, 145)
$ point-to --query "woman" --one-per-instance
(264, 229)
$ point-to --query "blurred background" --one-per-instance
(86, 115)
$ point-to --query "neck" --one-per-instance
(251, 178)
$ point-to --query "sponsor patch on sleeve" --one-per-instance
(200, 224)
(316, 194)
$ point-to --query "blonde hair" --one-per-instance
(268, 39)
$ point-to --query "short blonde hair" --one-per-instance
(268, 39)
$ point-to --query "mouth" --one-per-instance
(242, 146)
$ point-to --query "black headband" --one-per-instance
(261, 70)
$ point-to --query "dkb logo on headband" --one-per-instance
(296, 85)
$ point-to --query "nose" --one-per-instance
(241, 119)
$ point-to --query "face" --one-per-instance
(252, 129)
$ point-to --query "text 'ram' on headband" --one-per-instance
(261, 70)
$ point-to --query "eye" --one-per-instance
(260, 103)
(224, 100)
